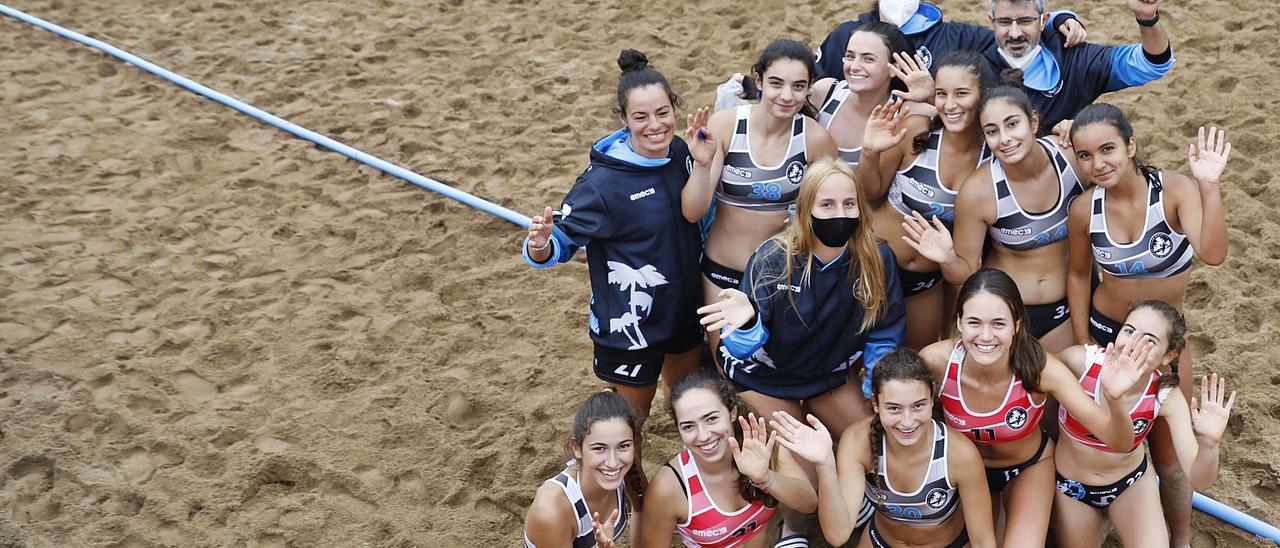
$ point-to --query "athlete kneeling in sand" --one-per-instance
(934, 466)
(567, 509)
(722, 488)
(1094, 481)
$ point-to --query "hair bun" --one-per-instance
(1011, 76)
(631, 59)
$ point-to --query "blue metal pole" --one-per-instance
(1235, 517)
(267, 117)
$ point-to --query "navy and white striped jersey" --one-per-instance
(1017, 228)
(1160, 252)
(745, 183)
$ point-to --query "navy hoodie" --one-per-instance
(642, 254)
(1062, 81)
(804, 338)
(932, 37)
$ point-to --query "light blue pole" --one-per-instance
(267, 117)
(1235, 517)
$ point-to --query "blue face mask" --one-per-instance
(836, 231)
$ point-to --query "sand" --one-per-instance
(216, 334)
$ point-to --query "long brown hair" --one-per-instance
(709, 379)
(797, 242)
(1026, 356)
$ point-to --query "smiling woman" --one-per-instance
(642, 254)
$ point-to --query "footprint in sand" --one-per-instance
(109, 286)
(137, 465)
(270, 445)
(32, 486)
(193, 388)
(137, 337)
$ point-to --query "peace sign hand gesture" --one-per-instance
(1208, 156)
(884, 128)
(911, 70)
(732, 310)
(540, 229)
(756, 450)
(702, 145)
(933, 241)
(604, 531)
(1208, 415)
(1122, 368)
(811, 442)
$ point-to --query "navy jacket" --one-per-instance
(933, 37)
(642, 255)
(801, 350)
(1064, 80)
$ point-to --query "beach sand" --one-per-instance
(216, 334)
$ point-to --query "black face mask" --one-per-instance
(836, 231)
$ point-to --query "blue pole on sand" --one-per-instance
(267, 117)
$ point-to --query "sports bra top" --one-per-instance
(744, 183)
(1015, 418)
(1143, 413)
(707, 525)
(1018, 229)
(933, 501)
(920, 188)
(827, 114)
(1160, 252)
(585, 536)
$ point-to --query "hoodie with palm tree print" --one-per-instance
(642, 255)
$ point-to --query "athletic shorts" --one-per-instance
(1103, 329)
(1102, 496)
(721, 275)
(1043, 318)
(999, 478)
(915, 283)
(641, 368)
(878, 541)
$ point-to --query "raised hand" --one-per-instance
(1143, 9)
(1208, 156)
(753, 456)
(1122, 368)
(884, 128)
(912, 72)
(1062, 132)
(1209, 415)
(933, 241)
(1074, 32)
(540, 229)
(811, 442)
(604, 531)
(732, 310)
(702, 145)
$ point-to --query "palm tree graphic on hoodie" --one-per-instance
(630, 279)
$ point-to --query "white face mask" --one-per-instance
(898, 12)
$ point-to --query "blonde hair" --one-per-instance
(797, 242)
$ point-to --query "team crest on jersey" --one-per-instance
(1140, 426)
(1161, 245)
(926, 55)
(795, 172)
(937, 498)
(1016, 418)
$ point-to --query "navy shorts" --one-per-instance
(642, 368)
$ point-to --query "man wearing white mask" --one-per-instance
(1063, 81)
(933, 38)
